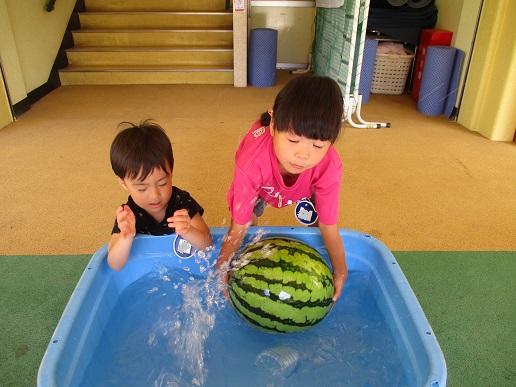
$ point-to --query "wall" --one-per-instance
(465, 35)
(29, 40)
(460, 17)
(449, 14)
(294, 21)
(9, 57)
(5, 109)
(490, 96)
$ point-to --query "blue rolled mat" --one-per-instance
(454, 83)
(366, 74)
(419, 3)
(436, 80)
(263, 44)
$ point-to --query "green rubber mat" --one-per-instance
(468, 297)
(34, 291)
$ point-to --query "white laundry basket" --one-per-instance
(390, 73)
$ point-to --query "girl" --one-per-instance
(287, 157)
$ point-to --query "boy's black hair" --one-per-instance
(138, 149)
(310, 106)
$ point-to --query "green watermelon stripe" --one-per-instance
(284, 242)
(270, 321)
(278, 310)
(289, 244)
(304, 260)
(300, 293)
(288, 253)
(283, 264)
(257, 320)
(271, 277)
(286, 267)
(275, 272)
(298, 299)
(292, 246)
(296, 259)
(267, 321)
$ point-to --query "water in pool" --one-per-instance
(171, 328)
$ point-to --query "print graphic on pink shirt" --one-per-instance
(270, 191)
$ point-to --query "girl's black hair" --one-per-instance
(310, 106)
(138, 149)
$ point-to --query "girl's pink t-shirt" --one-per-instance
(257, 174)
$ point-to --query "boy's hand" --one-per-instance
(338, 283)
(126, 221)
(181, 221)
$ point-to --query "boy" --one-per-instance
(142, 158)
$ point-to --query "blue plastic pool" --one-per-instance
(159, 322)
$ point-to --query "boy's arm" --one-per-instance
(231, 243)
(335, 248)
(195, 231)
(120, 243)
(118, 250)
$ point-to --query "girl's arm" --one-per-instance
(193, 230)
(335, 248)
(231, 243)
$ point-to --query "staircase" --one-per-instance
(151, 42)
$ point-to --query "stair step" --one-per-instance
(105, 56)
(155, 38)
(155, 5)
(156, 20)
(152, 42)
(120, 75)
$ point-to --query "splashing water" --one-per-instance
(187, 330)
(243, 259)
(194, 324)
(190, 324)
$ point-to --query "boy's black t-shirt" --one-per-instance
(146, 224)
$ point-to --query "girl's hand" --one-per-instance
(338, 283)
(181, 221)
(126, 221)
(223, 283)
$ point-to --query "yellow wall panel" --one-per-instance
(5, 109)
(30, 39)
(490, 92)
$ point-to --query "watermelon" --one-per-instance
(281, 285)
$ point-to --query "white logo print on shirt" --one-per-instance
(258, 132)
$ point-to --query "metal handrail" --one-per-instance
(50, 5)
